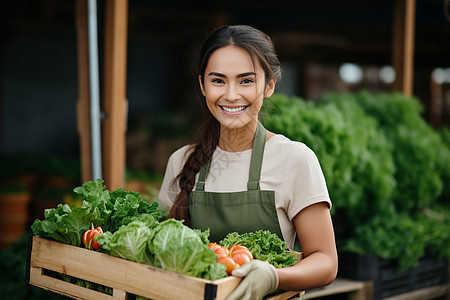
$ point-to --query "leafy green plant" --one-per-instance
(354, 154)
(444, 132)
(420, 156)
(100, 207)
(264, 245)
(385, 168)
(397, 237)
(437, 220)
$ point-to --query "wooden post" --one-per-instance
(83, 102)
(403, 43)
(115, 103)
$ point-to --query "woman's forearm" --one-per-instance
(318, 269)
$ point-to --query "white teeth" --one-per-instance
(233, 109)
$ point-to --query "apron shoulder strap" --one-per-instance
(256, 160)
(200, 186)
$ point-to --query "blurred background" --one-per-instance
(329, 50)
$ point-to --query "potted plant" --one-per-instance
(14, 201)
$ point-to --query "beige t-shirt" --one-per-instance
(289, 168)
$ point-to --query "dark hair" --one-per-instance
(260, 47)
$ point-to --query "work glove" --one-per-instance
(260, 279)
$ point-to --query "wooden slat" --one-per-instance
(403, 43)
(83, 102)
(432, 292)
(339, 286)
(115, 103)
(286, 295)
(38, 278)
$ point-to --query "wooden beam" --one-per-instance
(403, 43)
(83, 102)
(115, 102)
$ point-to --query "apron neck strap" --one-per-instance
(255, 162)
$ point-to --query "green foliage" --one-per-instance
(264, 245)
(445, 136)
(65, 225)
(420, 156)
(130, 241)
(354, 154)
(385, 167)
(393, 237)
(100, 207)
(176, 247)
(437, 220)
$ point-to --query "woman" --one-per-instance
(241, 177)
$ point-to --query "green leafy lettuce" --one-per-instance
(264, 245)
(168, 245)
(65, 225)
(178, 248)
(99, 207)
(130, 241)
(119, 207)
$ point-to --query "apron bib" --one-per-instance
(241, 212)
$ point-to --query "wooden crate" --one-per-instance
(123, 276)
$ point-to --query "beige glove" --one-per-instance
(260, 279)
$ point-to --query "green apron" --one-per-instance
(241, 212)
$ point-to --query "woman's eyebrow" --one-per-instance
(246, 74)
(238, 76)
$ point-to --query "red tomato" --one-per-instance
(214, 246)
(240, 258)
(233, 256)
(242, 251)
(228, 262)
(222, 251)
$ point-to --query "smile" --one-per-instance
(234, 109)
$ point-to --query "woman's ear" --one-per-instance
(202, 88)
(270, 88)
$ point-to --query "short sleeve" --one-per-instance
(304, 181)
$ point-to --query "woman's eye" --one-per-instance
(217, 80)
(247, 80)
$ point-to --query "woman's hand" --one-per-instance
(260, 279)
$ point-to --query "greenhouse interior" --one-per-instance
(96, 96)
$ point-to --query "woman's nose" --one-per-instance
(231, 93)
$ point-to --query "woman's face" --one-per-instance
(234, 87)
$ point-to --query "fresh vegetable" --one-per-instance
(240, 254)
(214, 246)
(263, 245)
(228, 262)
(65, 225)
(119, 207)
(88, 237)
(176, 247)
(131, 240)
(110, 210)
(232, 257)
(169, 245)
(219, 250)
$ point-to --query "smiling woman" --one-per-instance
(239, 177)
